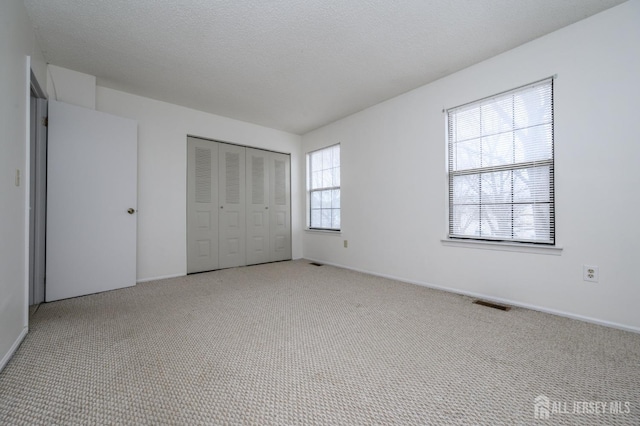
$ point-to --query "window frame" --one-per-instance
(473, 240)
(309, 191)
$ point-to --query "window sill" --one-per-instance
(322, 231)
(504, 246)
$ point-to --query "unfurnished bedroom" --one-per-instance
(319, 212)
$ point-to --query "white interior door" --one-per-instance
(231, 173)
(257, 206)
(91, 202)
(202, 205)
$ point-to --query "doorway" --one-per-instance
(37, 191)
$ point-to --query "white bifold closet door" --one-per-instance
(257, 206)
(268, 207)
(202, 205)
(238, 206)
(231, 174)
(279, 207)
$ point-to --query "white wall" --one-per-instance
(162, 172)
(71, 87)
(17, 42)
(394, 178)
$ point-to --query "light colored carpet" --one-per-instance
(291, 343)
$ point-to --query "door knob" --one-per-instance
(131, 211)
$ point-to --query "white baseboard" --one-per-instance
(163, 277)
(14, 348)
(491, 298)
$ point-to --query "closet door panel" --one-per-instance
(279, 207)
(232, 216)
(202, 205)
(257, 206)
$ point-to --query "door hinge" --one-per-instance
(45, 121)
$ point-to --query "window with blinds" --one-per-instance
(323, 187)
(501, 184)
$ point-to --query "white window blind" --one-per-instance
(501, 177)
(323, 186)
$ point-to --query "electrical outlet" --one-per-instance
(346, 243)
(590, 273)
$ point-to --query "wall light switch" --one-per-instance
(17, 177)
(346, 243)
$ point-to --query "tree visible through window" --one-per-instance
(323, 186)
(501, 167)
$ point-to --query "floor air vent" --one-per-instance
(315, 264)
(492, 305)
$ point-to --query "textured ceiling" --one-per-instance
(293, 65)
